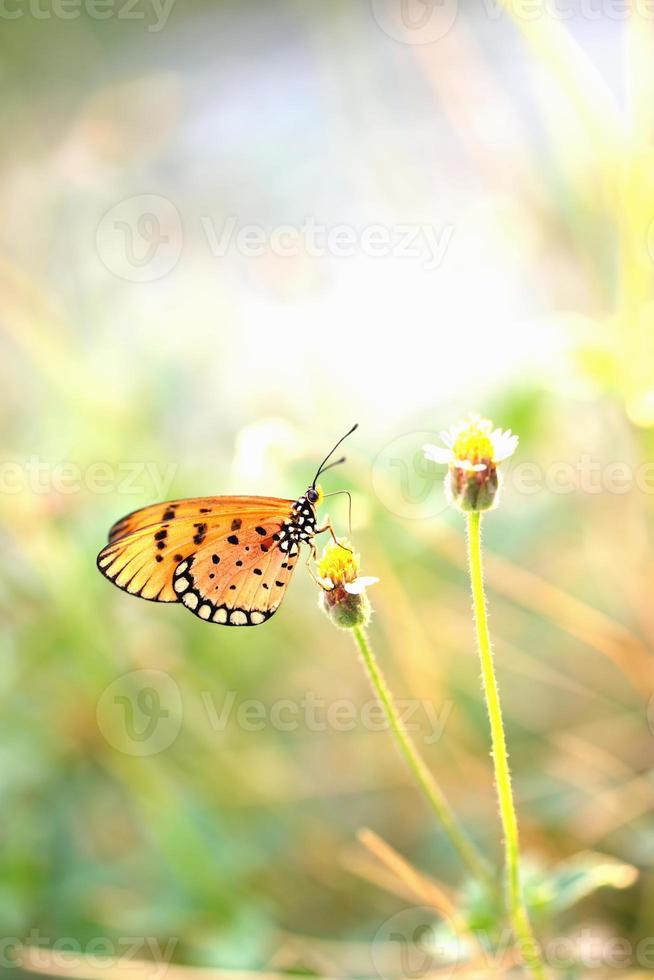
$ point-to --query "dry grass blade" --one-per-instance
(594, 628)
(629, 796)
(74, 966)
(579, 79)
(424, 889)
(417, 884)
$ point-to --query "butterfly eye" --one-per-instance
(312, 495)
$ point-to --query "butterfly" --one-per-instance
(228, 559)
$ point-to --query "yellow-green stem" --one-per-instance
(473, 860)
(517, 909)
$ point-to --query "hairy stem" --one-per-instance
(473, 860)
(529, 948)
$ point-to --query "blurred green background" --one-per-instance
(504, 164)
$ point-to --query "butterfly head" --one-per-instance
(315, 495)
(309, 501)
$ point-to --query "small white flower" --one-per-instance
(360, 584)
(473, 445)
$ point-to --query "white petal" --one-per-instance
(437, 453)
(360, 584)
(468, 467)
(448, 436)
(505, 445)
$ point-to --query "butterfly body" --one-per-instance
(229, 560)
(300, 526)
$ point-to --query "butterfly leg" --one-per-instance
(327, 526)
(313, 557)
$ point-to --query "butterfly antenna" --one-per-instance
(331, 466)
(322, 466)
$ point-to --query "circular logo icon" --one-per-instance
(408, 484)
(141, 712)
(416, 943)
(140, 238)
(415, 21)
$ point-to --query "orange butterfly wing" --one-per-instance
(196, 508)
(240, 580)
(148, 547)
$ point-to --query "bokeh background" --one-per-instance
(229, 232)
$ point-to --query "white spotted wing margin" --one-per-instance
(241, 600)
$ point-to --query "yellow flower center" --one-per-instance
(474, 442)
(338, 564)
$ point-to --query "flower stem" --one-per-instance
(517, 909)
(473, 860)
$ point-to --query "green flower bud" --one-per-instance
(345, 609)
(473, 490)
